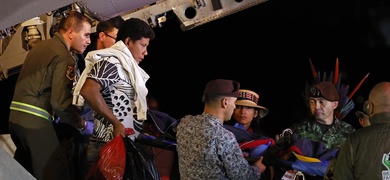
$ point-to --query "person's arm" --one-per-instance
(91, 93)
(260, 165)
(237, 167)
(61, 92)
(344, 167)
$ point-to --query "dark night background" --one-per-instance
(267, 49)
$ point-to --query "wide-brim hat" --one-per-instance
(250, 99)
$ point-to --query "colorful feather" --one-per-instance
(313, 70)
(357, 87)
(336, 72)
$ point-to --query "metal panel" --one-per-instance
(17, 11)
(209, 10)
(104, 9)
(11, 169)
(13, 12)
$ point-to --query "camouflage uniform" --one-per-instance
(332, 138)
(209, 151)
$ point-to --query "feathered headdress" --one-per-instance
(346, 103)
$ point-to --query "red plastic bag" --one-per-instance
(111, 162)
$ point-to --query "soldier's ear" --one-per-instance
(336, 103)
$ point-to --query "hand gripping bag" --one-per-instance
(111, 162)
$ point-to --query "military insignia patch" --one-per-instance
(70, 73)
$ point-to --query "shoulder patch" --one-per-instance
(70, 73)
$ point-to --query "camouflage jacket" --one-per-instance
(333, 138)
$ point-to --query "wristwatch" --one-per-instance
(84, 126)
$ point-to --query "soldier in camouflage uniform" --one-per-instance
(323, 125)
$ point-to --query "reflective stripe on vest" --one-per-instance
(27, 108)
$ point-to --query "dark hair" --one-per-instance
(53, 30)
(73, 20)
(108, 25)
(135, 29)
(255, 124)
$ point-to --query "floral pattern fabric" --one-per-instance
(118, 93)
(209, 151)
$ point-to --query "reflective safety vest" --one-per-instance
(31, 109)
